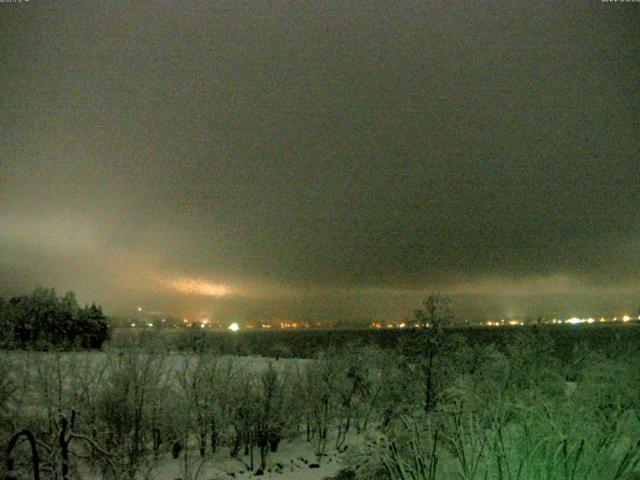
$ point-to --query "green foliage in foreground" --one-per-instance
(44, 321)
(517, 418)
(434, 407)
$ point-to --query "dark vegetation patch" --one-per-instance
(307, 343)
(45, 321)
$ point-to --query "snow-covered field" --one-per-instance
(214, 416)
(295, 459)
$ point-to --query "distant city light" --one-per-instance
(206, 322)
(139, 309)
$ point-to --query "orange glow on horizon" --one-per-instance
(191, 286)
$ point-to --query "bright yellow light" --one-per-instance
(626, 318)
(139, 309)
(234, 327)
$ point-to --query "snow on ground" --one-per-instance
(294, 460)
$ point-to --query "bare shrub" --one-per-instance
(123, 408)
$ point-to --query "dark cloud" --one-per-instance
(323, 159)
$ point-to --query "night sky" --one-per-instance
(322, 160)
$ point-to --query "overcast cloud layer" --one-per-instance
(322, 159)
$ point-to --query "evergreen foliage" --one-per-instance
(44, 321)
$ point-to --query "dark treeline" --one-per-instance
(45, 321)
(307, 343)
